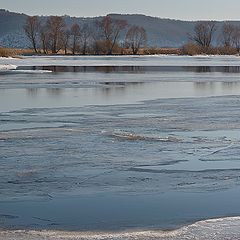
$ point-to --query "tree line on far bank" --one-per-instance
(206, 40)
(114, 36)
(53, 36)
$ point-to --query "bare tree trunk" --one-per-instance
(56, 27)
(135, 38)
(31, 29)
(111, 29)
(75, 32)
(203, 34)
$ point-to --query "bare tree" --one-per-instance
(56, 26)
(31, 29)
(231, 36)
(203, 33)
(136, 37)
(86, 34)
(236, 38)
(65, 39)
(75, 33)
(228, 32)
(96, 36)
(44, 38)
(111, 29)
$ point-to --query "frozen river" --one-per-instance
(137, 145)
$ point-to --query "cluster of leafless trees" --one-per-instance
(206, 38)
(53, 36)
(231, 36)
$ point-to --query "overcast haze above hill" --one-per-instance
(161, 32)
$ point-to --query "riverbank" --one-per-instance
(15, 52)
(223, 228)
(187, 50)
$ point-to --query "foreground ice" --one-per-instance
(153, 146)
(155, 149)
(216, 229)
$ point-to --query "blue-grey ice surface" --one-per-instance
(118, 150)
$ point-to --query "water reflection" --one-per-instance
(112, 94)
(203, 69)
(230, 85)
(55, 91)
(124, 84)
(203, 86)
(32, 92)
(171, 89)
(135, 69)
(235, 69)
(208, 69)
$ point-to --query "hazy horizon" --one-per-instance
(219, 10)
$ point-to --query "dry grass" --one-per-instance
(193, 49)
(227, 51)
(9, 52)
(188, 49)
(125, 51)
(154, 50)
(14, 52)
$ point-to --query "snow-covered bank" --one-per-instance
(5, 67)
(156, 60)
(218, 229)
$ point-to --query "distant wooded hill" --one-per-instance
(160, 32)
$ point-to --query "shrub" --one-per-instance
(155, 50)
(190, 49)
(5, 52)
(227, 51)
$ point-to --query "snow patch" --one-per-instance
(6, 67)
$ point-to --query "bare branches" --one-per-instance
(111, 29)
(31, 29)
(66, 39)
(228, 32)
(53, 35)
(136, 37)
(203, 34)
(56, 27)
(85, 38)
(44, 36)
(236, 38)
(75, 33)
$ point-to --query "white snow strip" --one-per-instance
(216, 229)
(5, 67)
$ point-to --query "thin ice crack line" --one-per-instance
(95, 176)
(218, 150)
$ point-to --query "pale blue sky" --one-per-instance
(178, 9)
